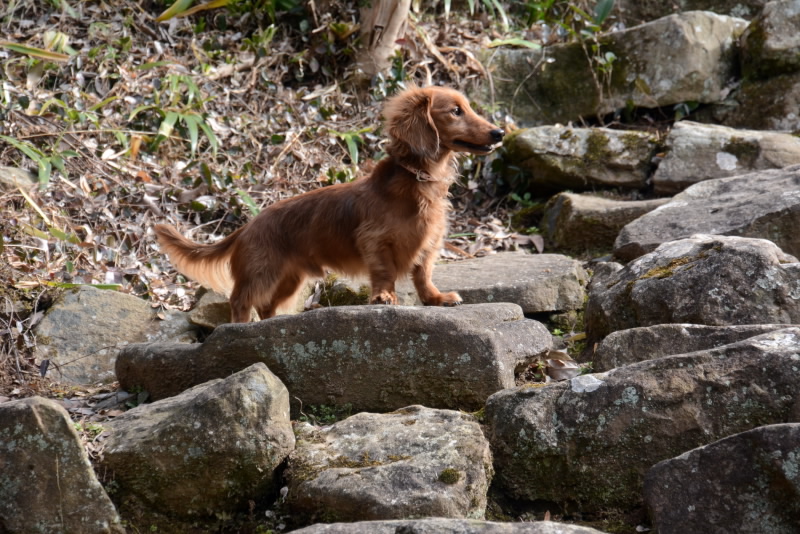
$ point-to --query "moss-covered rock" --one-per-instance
(679, 58)
(589, 441)
(705, 279)
(554, 158)
(771, 43)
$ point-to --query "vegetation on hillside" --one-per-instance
(124, 121)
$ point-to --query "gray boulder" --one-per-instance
(705, 279)
(558, 157)
(763, 204)
(205, 452)
(412, 463)
(771, 43)
(624, 347)
(376, 358)
(633, 12)
(445, 526)
(47, 484)
(688, 57)
(770, 104)
(587, 222)
(86, 327)
(698, 152)
(536, 282)
(749, 482)
(590, 441)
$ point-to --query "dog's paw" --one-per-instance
(451, 299)
(384, 297)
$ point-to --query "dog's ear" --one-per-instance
(409, 121)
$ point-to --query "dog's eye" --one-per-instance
(457, 111)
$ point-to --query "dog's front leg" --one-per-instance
(382, 275)
(428, 293)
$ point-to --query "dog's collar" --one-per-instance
(419, 174)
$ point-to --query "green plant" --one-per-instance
(326, 414)
(525, 200)
(184, 98)
(351, 140)
(92, 430)
(45, 161)
(493, 7)
(684, 109)
(265, 8)
(259, 42)
(586, 29)
(386, 85)
(536, 11)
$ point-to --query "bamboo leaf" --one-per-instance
(35, 232)
(34, 205)
(165, 129)
(191, 121)
(144, 107)
(35, 52)
(208, 5)
(102, 103)
(212, 139)
(154, 64)
(27, 149)
(352, 147)
(249, 202)
(68, 285)
(514, 42)
(63, 236)
(602, 10)
(45, 170)
(175, 10)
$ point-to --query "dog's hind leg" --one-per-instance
(241, 300)
(428, 293)
(284, 290)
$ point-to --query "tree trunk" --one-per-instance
(382, 23)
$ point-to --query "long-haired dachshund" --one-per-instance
(386, 225)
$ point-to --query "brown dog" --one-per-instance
(386, 225)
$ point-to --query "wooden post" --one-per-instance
(382, 23)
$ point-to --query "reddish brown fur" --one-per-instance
(386, 225)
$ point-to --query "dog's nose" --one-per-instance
(497, 135)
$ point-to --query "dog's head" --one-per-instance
(432, 119)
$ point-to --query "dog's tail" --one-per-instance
(207, 264)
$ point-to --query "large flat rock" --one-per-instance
(764, 204)
(625, 347)
(445, 526)
(697, 152)
(536, 282)
(376, 358)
